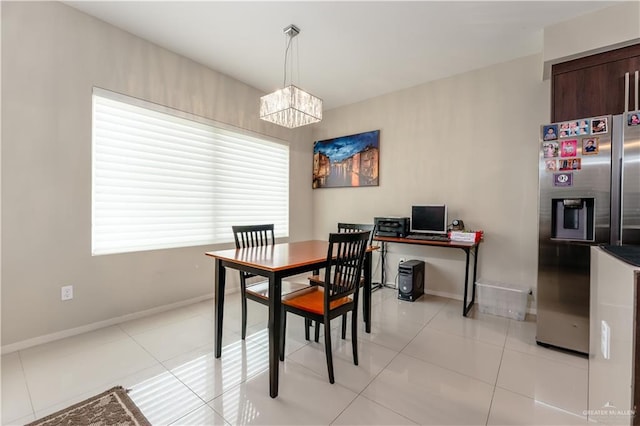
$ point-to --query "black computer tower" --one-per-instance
(410, 280)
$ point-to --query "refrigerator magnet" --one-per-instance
(590, 146)
(550, 132)
(550, 149)
(583, 127)
(571, 164)
(599, 125)
(563, 179)
(576, 164)
(633, 119)
(550, 165)
(569, 148)
(563, 130)
(573, 128)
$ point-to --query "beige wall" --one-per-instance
(52, 56)
(470, 141)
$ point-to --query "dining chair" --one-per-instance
(337, 296)
(342, 227)
(256, 236)
(357, 227)
(354, 227)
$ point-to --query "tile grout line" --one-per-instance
(370, 381)
(374, 402)
(26, 384)
(539, 357)
(495, 384)
(398, 352)
(204, 403)
(170, 372)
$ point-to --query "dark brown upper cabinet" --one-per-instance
(593, 85)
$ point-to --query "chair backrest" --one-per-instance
(345, 259)
(253, 235)
(357, 227)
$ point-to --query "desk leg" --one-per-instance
(383, 255)
(275, 307)
(475, 269)
(366, 304)
(466, 308)
(219, 305)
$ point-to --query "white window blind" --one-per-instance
(161, 180)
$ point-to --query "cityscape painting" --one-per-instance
(347, 161)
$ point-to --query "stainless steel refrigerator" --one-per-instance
(589, 194)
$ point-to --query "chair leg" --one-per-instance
(243, 296)
(317, 336)
(283, 332)
(354, 336)
(344, 326)
(327, 349)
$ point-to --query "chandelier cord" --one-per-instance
(286, 55)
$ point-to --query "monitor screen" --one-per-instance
(431, 218)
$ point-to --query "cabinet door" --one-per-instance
(593, 85)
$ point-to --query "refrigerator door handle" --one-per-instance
(617, 162)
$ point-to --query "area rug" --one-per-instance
(113, 407)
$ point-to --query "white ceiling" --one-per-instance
(346, 51)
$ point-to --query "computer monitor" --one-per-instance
(429, 219)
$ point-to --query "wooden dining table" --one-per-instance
(276, 262)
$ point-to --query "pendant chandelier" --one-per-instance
(290, 106)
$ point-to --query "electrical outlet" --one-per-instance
(66, 292)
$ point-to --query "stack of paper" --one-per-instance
(466, 236)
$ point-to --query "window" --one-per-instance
(163, 178)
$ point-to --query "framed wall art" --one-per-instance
(347, 161)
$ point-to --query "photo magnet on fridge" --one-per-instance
(569, 148)
(590, 146)
(571, 164)
(550, 132)
(599, 125)
(550, 149)
(563, 179)
(564, 130)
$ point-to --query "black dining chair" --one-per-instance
(342, 228)
(256, 236)
(357, 227)
(354, 227)
(337, 296)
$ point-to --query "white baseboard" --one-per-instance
(453, 296)
(530, 310)
(24, 344)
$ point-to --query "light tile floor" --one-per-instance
(423, 363)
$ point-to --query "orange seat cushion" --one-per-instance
(313, 301)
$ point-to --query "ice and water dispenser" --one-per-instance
(572, 219)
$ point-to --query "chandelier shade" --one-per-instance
(291, 107)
